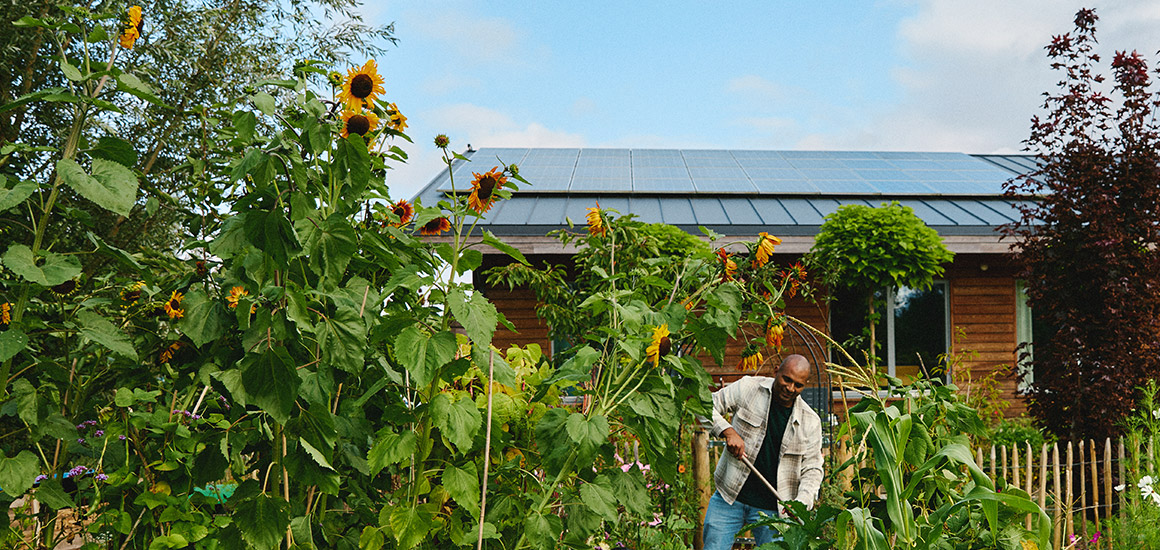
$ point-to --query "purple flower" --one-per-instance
(121, 437)
(81, 440)
(102, 477)
(99, 433)
(77, 470)
(81, 426)
(90, 422)
(40, 478)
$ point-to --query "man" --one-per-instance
(775, 428)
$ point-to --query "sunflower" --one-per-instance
(660, 346)
(168, 353)
(727, 264)
(173, 306)
(236, 294)
(131, 294)
(358, 123)
(774, 333)
(795, 276)
(5, 314)
(404, 211)
(483, 189)
(361, 86)
(596, 226)
(64, 289)
(765, 245)
(751, 358)
(131, 27)
(436, 226)
(395, 119)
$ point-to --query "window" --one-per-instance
(1030, 327)
(913, 329)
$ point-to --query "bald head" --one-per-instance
(791, 379)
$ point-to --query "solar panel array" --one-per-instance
(741, 191)
(718, 172)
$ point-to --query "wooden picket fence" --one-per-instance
(1073, 481)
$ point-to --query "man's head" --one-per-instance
(791, 379)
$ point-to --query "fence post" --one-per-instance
(1120, 470)
(704, 483)
(1068, 491)
(1058, 515)
(1082, 489)
(993, 478)
(1015, 467)
(1042, 478)
(1030, 480)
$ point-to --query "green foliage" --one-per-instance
(1138, 523)
(869, 248)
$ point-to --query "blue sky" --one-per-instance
(908, 75)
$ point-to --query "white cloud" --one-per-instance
(756, 88)
(471, 37)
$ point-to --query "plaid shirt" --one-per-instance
(799, 469)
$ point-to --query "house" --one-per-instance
(975, 312)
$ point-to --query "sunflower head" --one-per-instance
(774, 332)
(131, 26)
(64, 289)
(751, 358)
(728, 266)
(660, 346)
(395, 120)
(442, 141)
(404, 211)
(765, 246)
(436, 226)
(361, 86)
(483, 189)
(596, 226)
(170, 350)
(335, 78)
(173, 306)
(5, 314)
(360, 123)
(132, 293)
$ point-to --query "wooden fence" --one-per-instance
(1074, 482)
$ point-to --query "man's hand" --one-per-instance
(734, 443)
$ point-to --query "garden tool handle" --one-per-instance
(753, 469)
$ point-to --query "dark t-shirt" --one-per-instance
(754, 492)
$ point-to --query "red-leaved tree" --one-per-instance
(1088, 242)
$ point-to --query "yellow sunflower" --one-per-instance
(765, 246)
(361, 86)
(236, 294)
(483, 189)
(436, 226)
(660, 346)
(358, 123)
(793, 277)
(5, 314)
(131, 294)
(774, 333)
(751, 358)
(395, 119)
(167, 353)
(596, 226)
(131, 28)
(173, 306)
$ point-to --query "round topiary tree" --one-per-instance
(863, 248)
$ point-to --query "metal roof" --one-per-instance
(739, 192)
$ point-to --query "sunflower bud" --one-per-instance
(335, 78)
(442, 141)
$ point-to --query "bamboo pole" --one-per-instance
(1043, 477)
(1068, 492)
(703, 480)
(1057, 516)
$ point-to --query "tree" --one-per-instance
(866, 249)
(1087, 244)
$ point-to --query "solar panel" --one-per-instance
(764, 162)
(784, 186)
(866, 164)
(663, 185)
(717, 172)
(815, 164)
(709, 161)
(845, 187)
(902, 187)
(600, 184)
(916, 164)
(583, 171)
(653, 172)
(876, 175)
(715, 185)
(774, 173)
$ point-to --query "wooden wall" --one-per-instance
(982, 315)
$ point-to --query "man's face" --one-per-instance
(789, 382)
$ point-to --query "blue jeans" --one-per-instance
(724, 520)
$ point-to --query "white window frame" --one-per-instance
(891, 363)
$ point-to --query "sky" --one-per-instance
(886, 75)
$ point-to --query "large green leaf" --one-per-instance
(459, 421)
(23, 401)
(114, 149)
(51, 494)
(410, 526)
(263, 521)
(16, 195)
(17, 473)
(344, 339)
(391, 448)
(577, 368)
(268, 228)
(56, 269)
(477, 315)
(204, 319)
(421, 355)
(600, 499)
(12, 341)
(271, 381)
(630, 491)
(463, 485)
(490, 239)
(587, 434)
(111, 186)
(100, 330)
(330, 244)
(129, 83)
(542, 530)
(866, 535)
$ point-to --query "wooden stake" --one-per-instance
(1082, 489)
(1015, 466)
(1043, 477)
(704, 483)
(1068, 492)
(1057, 515)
